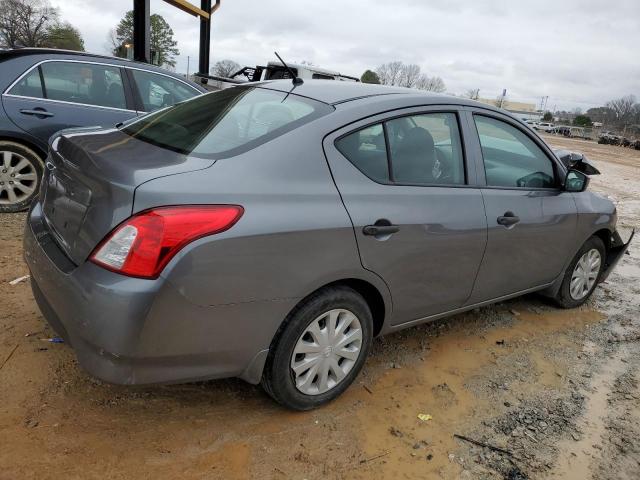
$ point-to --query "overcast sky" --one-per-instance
(580, 53)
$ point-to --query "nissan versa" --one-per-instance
(271, 231)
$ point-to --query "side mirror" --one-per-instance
(576, 181)
(577, 161)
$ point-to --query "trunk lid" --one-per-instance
(90, 180)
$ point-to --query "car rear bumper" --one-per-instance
(616, 251)
(135, 331)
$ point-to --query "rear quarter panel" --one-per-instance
(294, 237)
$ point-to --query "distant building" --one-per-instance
(524, 111)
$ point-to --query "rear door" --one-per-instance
(531, 220)
(419, 220)
(61, 94)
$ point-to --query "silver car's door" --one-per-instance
(418, 218)
(531, 220)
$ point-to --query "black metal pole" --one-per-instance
(205, 38)
(141, 31)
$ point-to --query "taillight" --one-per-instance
(144, 244)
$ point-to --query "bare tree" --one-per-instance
(225, 68)
(502, 101)
(390, 73)
(112, 44)
(473, 94)
(9, 28)
(25, 23)
(623, 108)
(409, 75)
(431, 84)
(397, 73)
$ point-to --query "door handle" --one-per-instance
(376, 230)
(38, 113)
(508, 219)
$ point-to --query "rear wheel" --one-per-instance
(320, 349)
(581, 278)
(20, 176)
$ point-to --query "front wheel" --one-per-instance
(20, 176)
(320, 349)
(581, 277)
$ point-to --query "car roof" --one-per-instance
(67, 54)
(335, 92)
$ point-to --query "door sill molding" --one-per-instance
(465, 308)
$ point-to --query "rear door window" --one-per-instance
(367, 151)
(160, 91)
(29, 86)
(423, 150)
(511, 158)
(85, 83)
(226, 123)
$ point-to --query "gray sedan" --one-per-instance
(270, 231)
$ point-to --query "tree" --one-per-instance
(501, 101)
(25, 23)
(623, 108)
(225, 68)
(548, 116)
(64, 36)
(605, 115)
(390, 73)
(161, 38)
(397, 73)
(369, 76)
(582, 121)
(472, 94)
(410, 75)
(430, 84)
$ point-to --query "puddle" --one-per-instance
(574, 462)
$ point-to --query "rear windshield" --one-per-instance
(226, 123)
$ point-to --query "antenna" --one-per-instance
(295, 79)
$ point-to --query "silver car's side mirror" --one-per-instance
(576, 181)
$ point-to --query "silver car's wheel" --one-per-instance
(585, 274)
(326, 351)
(18, 178)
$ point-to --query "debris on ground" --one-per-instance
(16, 281)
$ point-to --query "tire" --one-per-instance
(565, 298)
(279, 377)
(20, 176)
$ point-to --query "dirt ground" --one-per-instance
(554, 393)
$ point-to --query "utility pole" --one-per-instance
(188, 66)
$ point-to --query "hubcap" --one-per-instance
(18, 178)
(326, 351)
(585, 274)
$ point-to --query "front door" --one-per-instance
(63, 94)
(418, 222)
(531, 221)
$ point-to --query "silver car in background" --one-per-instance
(270, 231)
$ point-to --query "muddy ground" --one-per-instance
(554, 393)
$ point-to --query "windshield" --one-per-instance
(226, 123)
